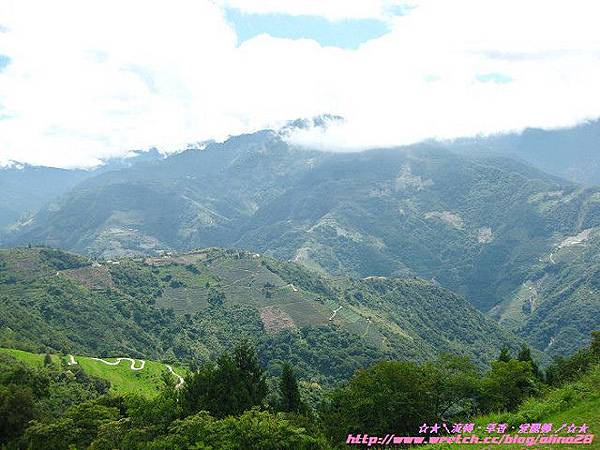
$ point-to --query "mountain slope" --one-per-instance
(472, 224)
(556, 307)
(25, 189)
(190, 307)
(475, 225)
(572, 153)
(146, 381)
(575, 402)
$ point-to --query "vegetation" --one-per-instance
(229, 404)
(120, 378)
(235, 384)
(489, 228)
(291, 401)
(129, 308)
(572, 397)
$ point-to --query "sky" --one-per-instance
(83, 81)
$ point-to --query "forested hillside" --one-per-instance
(558, 305)
(475, 225)
(48, 403)
(190, 307)
(481, 226)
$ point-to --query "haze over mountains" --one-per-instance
(515, 241)
(27, 188)
(571, 153)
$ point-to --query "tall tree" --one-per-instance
(505, 355)
(251, 374)
(288, 389)
(525, 355)
(595, 344)
(235, 384)
(399, 396)
(505, 386)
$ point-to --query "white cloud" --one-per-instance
(99, 78)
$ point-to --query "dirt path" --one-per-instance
(115, 363)
(179, 377)
(71, 361)
(367, 328)
(334, 313)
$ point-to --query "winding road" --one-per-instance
(71, 361)
(115, 363)
(179, 377)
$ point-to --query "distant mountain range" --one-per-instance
(25, 188)
(488, 227)
(571, 153)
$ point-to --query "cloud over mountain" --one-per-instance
(83, 82)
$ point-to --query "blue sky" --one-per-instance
(4, 61)
(494, 77)
(348, 33)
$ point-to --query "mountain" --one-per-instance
(25, 189)
(477, 225)
(557, 304)
(190, 307)
(572, 153)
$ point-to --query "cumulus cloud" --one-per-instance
(87, 80)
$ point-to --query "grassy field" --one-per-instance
(31, 359)
(123, 380)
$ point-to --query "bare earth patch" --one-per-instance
(577, 239)
(188, 258)
(485, 235)
(275, 320)
(93, 277)
(406, 180)
(452, 219)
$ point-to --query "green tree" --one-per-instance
(47, 360)
(253, 430)
(77, 428)
(399, 396)
(251, 374)
(525, 355)
(235, 384)
(16, 409)
(564, 369)
(288, 389)
(504, 355)
(505, 386)
(595, 344)
(216, 297)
